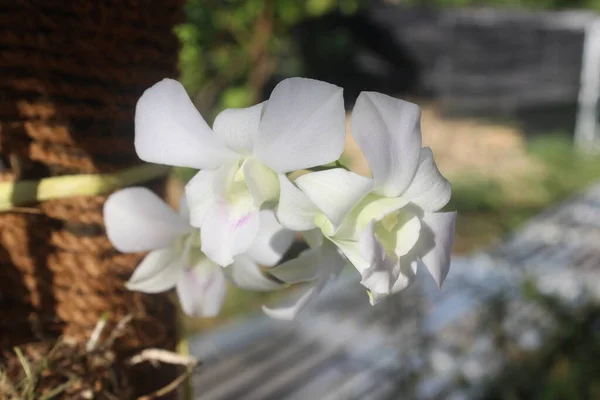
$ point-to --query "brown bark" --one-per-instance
(70, 74)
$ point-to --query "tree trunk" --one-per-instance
(70, 75)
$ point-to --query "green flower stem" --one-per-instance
(15, 194)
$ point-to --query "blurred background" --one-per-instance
(504, 110)
(509, 92)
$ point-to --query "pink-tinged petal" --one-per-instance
(271, 242)
(136, 219)
(428, 189)
(202, 289)
(303, 125)
(238, 127)
(159, 271)
(226, 233)
(169, 130)
(388, 132)
(436, 244)
(246, 274)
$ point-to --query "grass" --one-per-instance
(565, 367)
(489, 209)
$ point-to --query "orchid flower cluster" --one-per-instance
(269, 174)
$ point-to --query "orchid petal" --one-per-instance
(335, 192)
(383, 270)
(372, 207)
(386, 274)
(313, 237)
(136, 219)
(159, 271)
(429, 189)
(295, 211)
(388, 132)
(304, 268)
(402, 235)
(184, 208)
(238, 126)
(331, 264)
(169, 130)
(303, 125)
(226, 233)
(408, 274)
(262, 182)
(290, 312)
(200, 195)
(351, 250)
(202, 288)
(246, 274)
(437, 241)
(271, 242)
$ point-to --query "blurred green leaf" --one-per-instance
(236, 97)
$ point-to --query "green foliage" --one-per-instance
(231, 48)
(566, 366)
(476, 194)
(568, 169)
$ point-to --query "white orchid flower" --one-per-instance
(138, 220)
(301, 126)
(317, 265)
(387, 225)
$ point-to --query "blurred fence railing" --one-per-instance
(522, 65)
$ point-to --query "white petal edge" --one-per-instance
(351, 250)
(335, 192)
(295, 211)
(437, 258)
(428, 189)
(304, 268)
(238, 127)
(332, 265)
(200, 195)
(388, 132)
(170, 130)
(288, 313)
(159, 271)
(246, 274)
(303, 125)
(136, 219)
(272, 240)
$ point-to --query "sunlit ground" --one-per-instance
(499, 179)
